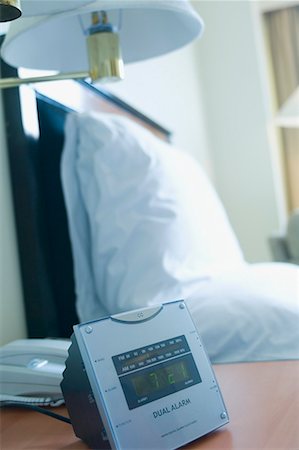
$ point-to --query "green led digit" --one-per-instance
(154, 380)
(183, 370)
(138, 386)
(170, 377)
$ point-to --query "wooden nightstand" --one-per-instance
(262, 400)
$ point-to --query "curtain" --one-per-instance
(283, 32)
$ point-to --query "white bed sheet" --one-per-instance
(250, 314)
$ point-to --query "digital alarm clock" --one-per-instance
(141, 380)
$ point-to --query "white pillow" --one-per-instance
(155, 223)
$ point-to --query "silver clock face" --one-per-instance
(151, 378)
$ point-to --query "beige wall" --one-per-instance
(232, 68)
(12, 322)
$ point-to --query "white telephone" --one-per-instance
(31, 370)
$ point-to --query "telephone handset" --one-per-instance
(32, 369)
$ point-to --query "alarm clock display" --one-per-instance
(152, 372)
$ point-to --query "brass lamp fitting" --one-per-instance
(105, 61)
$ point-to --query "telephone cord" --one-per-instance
(47, 412)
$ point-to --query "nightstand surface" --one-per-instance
(262, 401)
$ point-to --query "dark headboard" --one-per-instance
(41, 223)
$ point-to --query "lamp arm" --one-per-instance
(15, 82)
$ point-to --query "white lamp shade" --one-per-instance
(149, 28)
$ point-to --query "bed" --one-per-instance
(243, 311)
